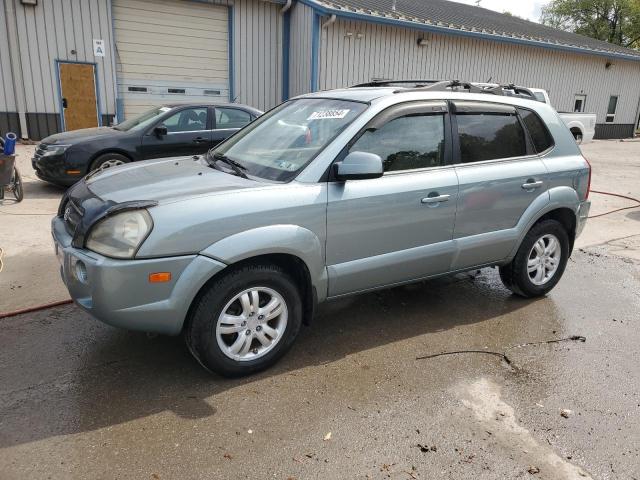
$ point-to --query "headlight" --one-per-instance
(120, 235)
(54, 150)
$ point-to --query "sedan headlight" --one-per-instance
(120, 235)
(54, 150)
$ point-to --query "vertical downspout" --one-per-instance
(232, 91)
(286, 41)
(16, 67)
(119, 104)
(315, 47)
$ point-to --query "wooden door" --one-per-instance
(78, 90)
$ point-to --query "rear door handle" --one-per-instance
(436, 199)
(531, 185)
(199, 140)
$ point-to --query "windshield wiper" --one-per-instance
(237, 167)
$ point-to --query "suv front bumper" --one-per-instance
(118, 292)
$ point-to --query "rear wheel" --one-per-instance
(18, 192)
(577, 135)
(108, 160)
(539, 262)
(245, 321)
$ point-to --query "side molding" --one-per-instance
(285, 239)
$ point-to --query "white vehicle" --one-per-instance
(582, 125)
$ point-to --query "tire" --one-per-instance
(577, 135)
(213, 342)
(108, 160)
(546, 267)
(18, 192)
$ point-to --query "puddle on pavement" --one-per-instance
(483, 400)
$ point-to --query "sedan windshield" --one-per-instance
(142, 120)
(282, 142)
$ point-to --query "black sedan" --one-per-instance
(166, 131)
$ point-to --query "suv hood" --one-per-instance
(163, 180)
(82, 135)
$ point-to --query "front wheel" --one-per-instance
(108, 160)
(245, 321)
(539, 262)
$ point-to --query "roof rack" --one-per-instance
(386, 83)
(509, 90)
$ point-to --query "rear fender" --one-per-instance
(558, 197)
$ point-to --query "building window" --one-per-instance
(611, 109)
(579, 103)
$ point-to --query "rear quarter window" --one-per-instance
(538, 131)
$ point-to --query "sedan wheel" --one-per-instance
(114, 162)
(251, 324)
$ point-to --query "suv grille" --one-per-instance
(71, 216)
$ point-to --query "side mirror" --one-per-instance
(160, 131)
(359, 166)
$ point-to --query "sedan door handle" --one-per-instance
(530, 185)
(436, 199)
(199, 140)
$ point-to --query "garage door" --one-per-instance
(170, 51)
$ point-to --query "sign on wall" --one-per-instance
(98, 47)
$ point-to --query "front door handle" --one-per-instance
(531, 184)
(435, 199)
(199, 140)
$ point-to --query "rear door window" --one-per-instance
(540, 136)
(406, 143)
(489, 135)
(231, 118)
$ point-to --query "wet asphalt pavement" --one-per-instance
(79, 399)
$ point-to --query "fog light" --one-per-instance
(80, 270)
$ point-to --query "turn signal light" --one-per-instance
(73, 172)
(159, 277)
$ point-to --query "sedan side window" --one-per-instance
(231, 118)
(489, 136)
(187, 120)
(406, 143)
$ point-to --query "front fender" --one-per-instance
(552, 199)
(275, 239)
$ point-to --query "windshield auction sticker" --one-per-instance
(326, 114)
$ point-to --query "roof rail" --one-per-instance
(383, 83)
(510, 90)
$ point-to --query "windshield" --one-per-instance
(540, 97)
(143, 119)
(283, 141)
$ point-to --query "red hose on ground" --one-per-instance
(34, 309)
(617, 209)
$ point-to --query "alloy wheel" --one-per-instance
(251, 324)
(544, 259)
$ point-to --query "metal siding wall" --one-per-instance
(7, 95)
(48, 32)
(385, 51)
(300, 48)
(257, 40)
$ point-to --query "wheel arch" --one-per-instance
(119, 151)
(562, 205)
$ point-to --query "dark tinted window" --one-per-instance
(487, 136)
(231, 118)
(540, 136)
(405, 143)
